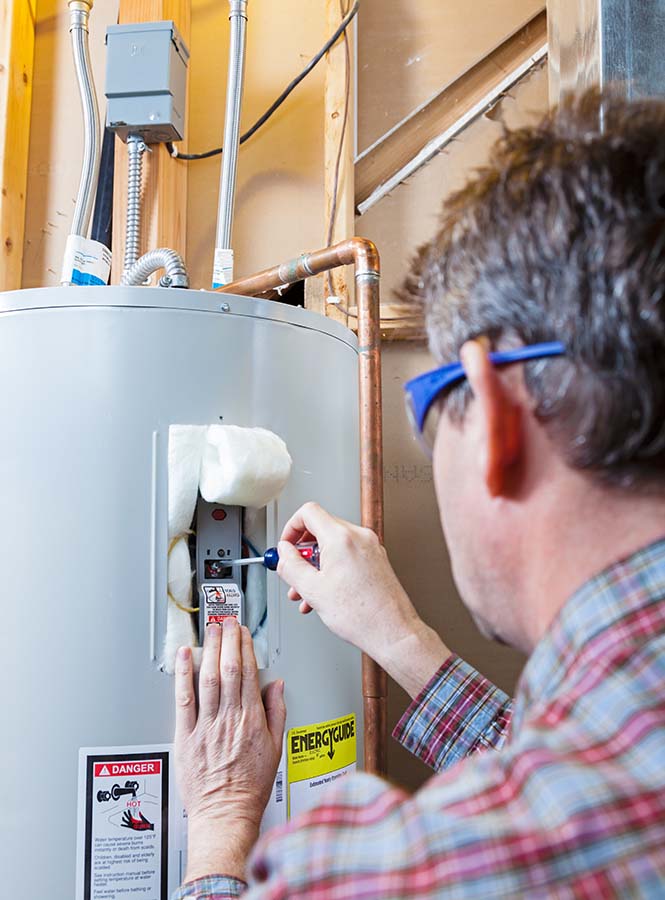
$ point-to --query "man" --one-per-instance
(548, 279)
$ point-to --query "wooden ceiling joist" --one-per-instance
(423, 134)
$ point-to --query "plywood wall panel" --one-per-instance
(280, 201)
(409, 51)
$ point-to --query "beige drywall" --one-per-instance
(408, 51)
(399, 224)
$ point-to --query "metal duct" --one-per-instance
(598, 42)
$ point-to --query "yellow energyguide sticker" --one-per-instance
(318, 755)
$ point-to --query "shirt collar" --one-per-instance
(588, 623)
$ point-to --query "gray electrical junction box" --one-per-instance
(146, 81)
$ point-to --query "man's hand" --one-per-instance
(226, 754)
(358, 597)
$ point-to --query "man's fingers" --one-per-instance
(273, 701)
(292, 568)
(185, 700)
(304, 605)
(310, 518)
(209, 677)
(250, 691)
(230, 665)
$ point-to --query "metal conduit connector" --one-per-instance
(136, 147)
(163, 258)
(79, 13)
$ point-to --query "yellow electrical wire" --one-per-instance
(186, 609)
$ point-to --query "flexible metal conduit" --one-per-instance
(79, 13)
(135, 150)
(364, 256)
(227, 186)
(163, 258)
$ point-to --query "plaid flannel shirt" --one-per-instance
(569, 803)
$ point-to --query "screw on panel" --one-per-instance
(224, 307)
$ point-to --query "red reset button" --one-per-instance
(219, 515)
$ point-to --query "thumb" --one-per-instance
(273, 701)
(295, 571)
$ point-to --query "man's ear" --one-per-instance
(500, 417)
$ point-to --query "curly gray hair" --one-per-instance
(562, 237)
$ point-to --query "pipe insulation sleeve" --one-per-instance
(79, 13)
(236, 75)
(151, 262)
(135, 150)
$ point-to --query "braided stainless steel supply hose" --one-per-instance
(79, 13)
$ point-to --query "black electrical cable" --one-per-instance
(282, 97)
(102, 220)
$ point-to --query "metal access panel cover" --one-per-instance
(146, 81)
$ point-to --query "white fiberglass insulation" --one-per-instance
(246, 467)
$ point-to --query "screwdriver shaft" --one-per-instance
(247, 562)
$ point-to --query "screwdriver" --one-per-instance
(270, 559)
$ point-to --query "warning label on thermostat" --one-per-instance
(125, 839)
(221, 602)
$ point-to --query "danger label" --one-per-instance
(319, 755)
(115, 769)
(125, 839)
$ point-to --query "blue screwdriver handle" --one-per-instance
(308, 551)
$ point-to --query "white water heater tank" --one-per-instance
(92, 378)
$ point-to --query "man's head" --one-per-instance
(560, 238)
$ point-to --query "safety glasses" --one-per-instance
(423, 392)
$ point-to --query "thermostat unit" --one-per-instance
(218, 543)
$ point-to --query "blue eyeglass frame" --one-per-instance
(421, 392)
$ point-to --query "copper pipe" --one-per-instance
(364, 256)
